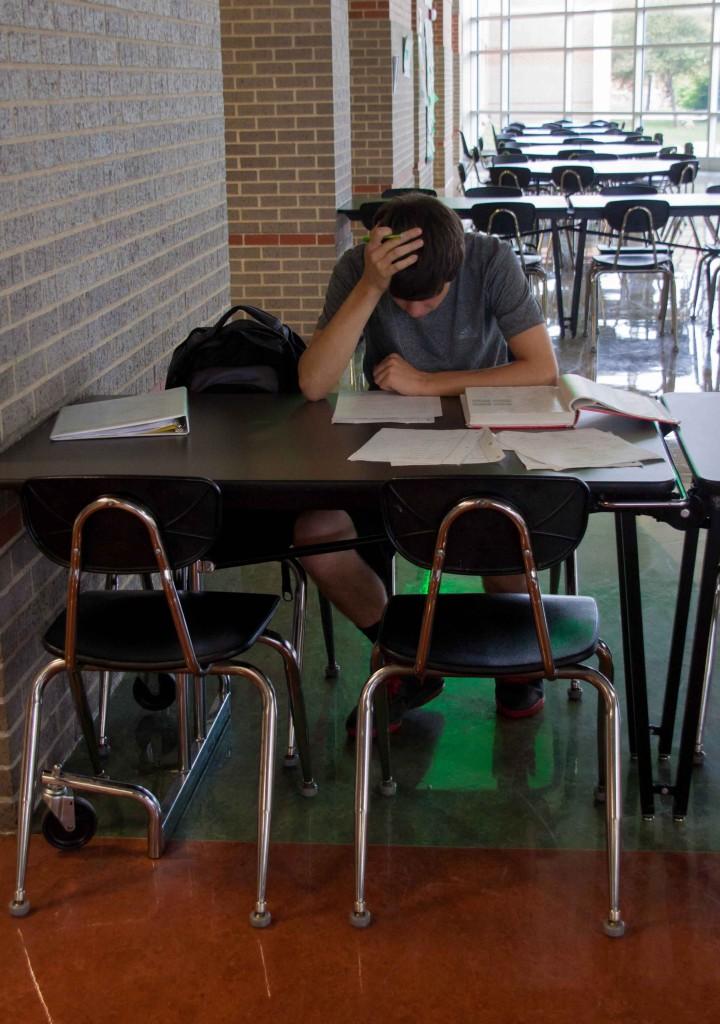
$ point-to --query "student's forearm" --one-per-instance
(331, 348)
(519, 373)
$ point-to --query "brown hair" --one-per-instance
(441, 256)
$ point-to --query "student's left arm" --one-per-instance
(533, 363)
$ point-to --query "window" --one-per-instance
(649, 62)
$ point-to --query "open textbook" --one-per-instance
(154, 414)
(535, 407)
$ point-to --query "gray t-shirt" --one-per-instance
(488, 302)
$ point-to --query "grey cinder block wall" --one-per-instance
(113, 245)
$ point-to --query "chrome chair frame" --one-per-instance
(608, 709)
(58, 785)
(652, 258)
(531, 267)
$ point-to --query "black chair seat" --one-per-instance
(643, 259)
(484, 634)
(133, 630)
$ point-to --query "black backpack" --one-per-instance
(241, 356)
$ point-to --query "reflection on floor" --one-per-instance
(486, 870)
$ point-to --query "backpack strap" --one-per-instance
(260, 315)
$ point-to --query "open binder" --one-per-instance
(154, 414)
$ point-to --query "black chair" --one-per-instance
(570, 179)
(126, 526)
(462, 176)
(511, 156)
(517, 177)
(367, 213)
(471, 156)
(680, 177)
(599, 156)
(709, 268)
(576, 140)
(495, 527)
(494, 192)
(389, 193)
(576, 154)
(633, 221)
(514, 222)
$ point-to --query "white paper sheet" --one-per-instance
(573, 449)
(429, 447)
(384, 407)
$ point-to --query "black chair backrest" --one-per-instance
(572, 179)
(518, 177)
(187, 511)
(629, 190)
(367, 213)
(515, 126)
(576, 154)
(463, 143)
(713, 188)
(646, 215)
(555, 510)
(493, 192)
(509, 156)
(684, 172)
(504, 219)
(667, 151)
(388, 193)
(462, 173)
(599, 155)
(577, 139)
(514, 153)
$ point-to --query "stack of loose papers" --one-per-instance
(384, 407)
(572, 449)
(430, 447)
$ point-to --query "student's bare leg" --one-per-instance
(344, 577)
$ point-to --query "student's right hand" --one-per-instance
(385, 256)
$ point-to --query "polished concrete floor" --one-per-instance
(486, 871)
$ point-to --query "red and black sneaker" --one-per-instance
(519, 700)
(404, 694)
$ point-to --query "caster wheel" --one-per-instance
(362, 920)
(85, 825)
(388, 787)
(614, 929)
(290, 760)
(260, 920)
(574, 694)
(309, 789)
(19, 909)
(332, 671)
(699, 757)
(104, 750)
(155, 700)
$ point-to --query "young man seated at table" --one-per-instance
(439, 310)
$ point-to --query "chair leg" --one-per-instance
(260, 917)
(360, 916)
(332, 669)
(699, 755)
(614, 925)
(298, 713)
(20, 905)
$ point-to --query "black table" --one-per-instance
(607, 171)
(698, 436)
(283, 452)
(536, 150)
